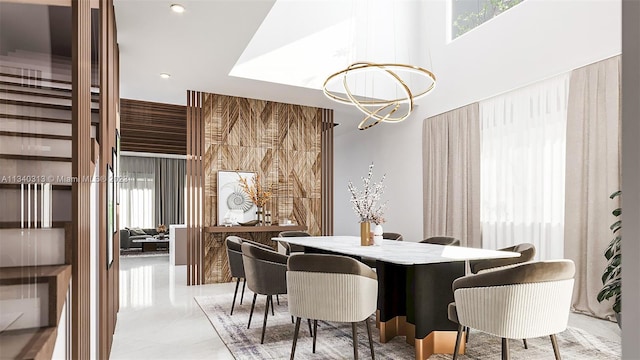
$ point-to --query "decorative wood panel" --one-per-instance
(282, 143)
(153, 127)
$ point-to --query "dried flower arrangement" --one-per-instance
(161, 228)
(365, 202)
(258, 194)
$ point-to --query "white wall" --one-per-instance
(534, 40)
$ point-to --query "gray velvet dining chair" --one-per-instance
(265, 271)
(527, 253)
(331, 288)
(528, 300)
(236, 265)
(290, 248)
(441, 240)
(392, 236)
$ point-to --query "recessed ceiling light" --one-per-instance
(177, 8)
(165, 75)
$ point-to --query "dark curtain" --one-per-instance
(169, 190)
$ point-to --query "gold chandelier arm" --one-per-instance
(374, 114)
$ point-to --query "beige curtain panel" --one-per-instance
(593, 173)
(451, 175)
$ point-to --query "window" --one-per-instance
(466, 15)
(523, 141)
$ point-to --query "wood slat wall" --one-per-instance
(153, 127)
(281, 142)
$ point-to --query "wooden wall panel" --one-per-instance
(281, 142)
(153, 127)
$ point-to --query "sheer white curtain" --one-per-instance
(137, 199)
(522, 172)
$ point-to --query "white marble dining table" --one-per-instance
(414, 285)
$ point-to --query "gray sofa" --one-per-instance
(126, 235)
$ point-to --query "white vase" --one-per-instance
(377, 235)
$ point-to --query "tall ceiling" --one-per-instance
(266, 49)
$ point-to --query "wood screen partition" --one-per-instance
(195, 183)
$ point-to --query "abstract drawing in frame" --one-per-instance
(234, 204)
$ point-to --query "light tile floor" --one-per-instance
(159, 319)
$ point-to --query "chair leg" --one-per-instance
(355, 340)
(266, 314)
(271, 302)
(458, 338)
(253, 305)
(373, 355)
(524, 342)
(234, 296)
(295, 338)
(310, 331)
(278, 299)
(244, 283)
(292, 319)
(315, 333)
(505, 349)
(554, 343)
(468, 332)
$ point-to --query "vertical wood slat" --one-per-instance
(81, 167)
(113, 271)
(102, 186)
(327, 171)
(201, 191)
(195, 186)
(189, 185)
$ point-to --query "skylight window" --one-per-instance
(466, 15)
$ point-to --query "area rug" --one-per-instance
(334, 339)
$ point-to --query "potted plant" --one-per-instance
(365, 204)
(612, 277)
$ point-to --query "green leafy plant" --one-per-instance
(490, 9)
(611, 279)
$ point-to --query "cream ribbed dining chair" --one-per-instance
(331, 288)
(524, 301)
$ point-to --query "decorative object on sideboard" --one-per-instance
(249, 223)
(612, 277)
(365, 204)
(234, 204)
(259, 194)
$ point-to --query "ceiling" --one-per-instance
(265, 49)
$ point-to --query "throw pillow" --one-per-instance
(136, 231)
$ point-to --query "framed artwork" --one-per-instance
(116, 167)
(110, 216)
(234, 205)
